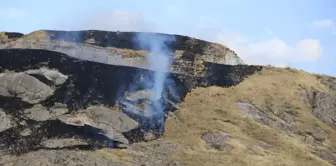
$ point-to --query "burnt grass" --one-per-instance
(93, 83)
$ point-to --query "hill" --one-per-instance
(58, 109)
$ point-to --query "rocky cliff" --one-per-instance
(88, 98)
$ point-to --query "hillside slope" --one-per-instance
(53, 105)
(274, 117)
(56, 109)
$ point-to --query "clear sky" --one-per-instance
(295, 33)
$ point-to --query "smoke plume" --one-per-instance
(158, 61)
(148, 88)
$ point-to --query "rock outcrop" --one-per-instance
(324, 107)
(111, 123)
(218, 140)
(24, 86)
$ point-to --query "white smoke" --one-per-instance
(159, 62)
(150, 85)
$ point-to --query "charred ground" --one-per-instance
(90, 84)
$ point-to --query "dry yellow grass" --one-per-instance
(38, 35)
(214, 109)
(135, 53)
(129, 52)
(3, 37)
(118, 156)
(206, 109)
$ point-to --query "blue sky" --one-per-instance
(295, 33)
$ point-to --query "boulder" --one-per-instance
(41, 113)
(25, 87)
(52, 75)
(111, 122)
(218, 140)
(253, 112)
(38, 113)
(282, 122)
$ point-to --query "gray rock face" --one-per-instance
(40, 113)
(5, 121)
(218, 140)
(59, 157)
(327, 80)
(324, 107)
(288, 118)
(282, 123)
(24, 86)
(111, 122)
(58, 109)
(52, 75)
(252, 111)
